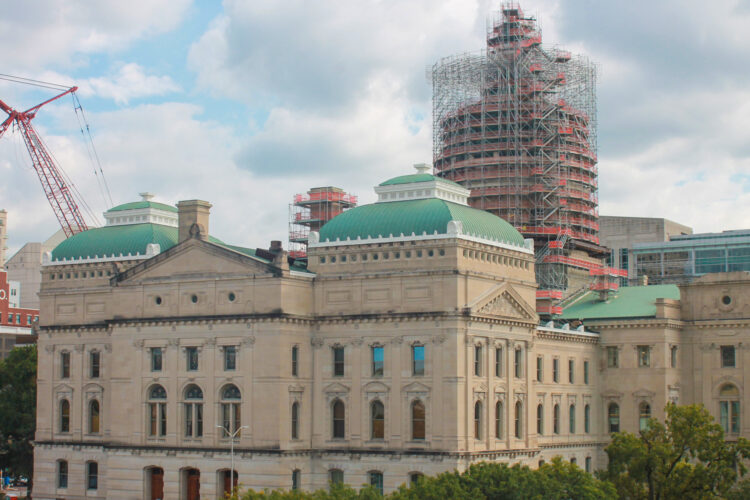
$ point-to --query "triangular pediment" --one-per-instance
(415, 387)
(195, 258)
(375, 386)
(504, 302)
(336, 388)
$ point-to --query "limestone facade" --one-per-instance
(385, 358)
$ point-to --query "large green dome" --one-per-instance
(113, 241)
(423, 216)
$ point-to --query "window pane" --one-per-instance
(556, 419)
(612, 357)
(499, 362)
(478, 360)
(572, 419)
(418, 421)
(727, 357)
(724, 415)
(539, 368)
(378, 420)
(613, 416)
(585, 372)
(338, 420)
(555, 370)
(417, 354)
(95, 358)
(518, 363)
(571, 371)
(735, 416)
(191, 354)
(377, 361)
(230, 358)
(338, 361)
(478, 420)
(295, 355)
(156, 359)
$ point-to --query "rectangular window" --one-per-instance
(539, 368)
(94, 361)
(92, 474)
(613, 357)
(673, 356)
(585, 372)
(191, 358)
(644, 356)
(295, 361)
(499, 362)
(588, 464)
(729, 416)
(378, 357)
(417, 360)
(478, 360)
(65, 364)
(230, 358)
(62, 474)
(555, 370)
(156, 359)
(338, 361)
(518, 363)
(571, 371)
(727, 356)
(157, 419)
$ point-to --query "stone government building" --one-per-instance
(408, 345)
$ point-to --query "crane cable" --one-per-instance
(101, 181)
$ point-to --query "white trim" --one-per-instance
(567, 331)
(527, 248)
(146, 215)
(439, 189)
(152, 250)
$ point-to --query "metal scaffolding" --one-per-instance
(309, 212)
(516, 124)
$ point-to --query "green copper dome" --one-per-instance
(143, 204)
(418, 217)
(412, 178)
(116, 240)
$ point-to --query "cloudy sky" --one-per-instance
(247, 102)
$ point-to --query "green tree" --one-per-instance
(18, 410)
(686, 458)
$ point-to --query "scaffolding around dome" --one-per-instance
(309, 212)
(516, 124)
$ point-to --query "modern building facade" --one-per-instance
(685, 257)
(621, 234)
(409, 344)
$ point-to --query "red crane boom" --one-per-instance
(55, 188)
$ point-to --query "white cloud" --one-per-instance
(128, 83)
(57, 32)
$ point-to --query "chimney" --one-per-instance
(192, 219)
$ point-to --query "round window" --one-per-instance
(194, 299)
(726, 300)
(231, 296)
(157, 300)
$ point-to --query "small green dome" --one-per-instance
(143, 204)
(113, 241)
(418, 217)
(412, 178)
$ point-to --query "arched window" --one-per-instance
(729, 408)
(339, 417)
(572, 419)
(295, 420)
(556, 419)
(587, 419)
(64, 416)
(540, 419)
(377, 420)
(418, 421)
(231, 401)
(376, 480)
(478, 420)
(613, 417)
(644, 414)
(92, 475)
(62, 474)
(499, 420)
(193, 411)
(157, 411)
(519, 420)
(94, 416)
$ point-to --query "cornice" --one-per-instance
(632, 323)
(567, 337)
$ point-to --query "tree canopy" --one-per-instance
(557, 480)
(686, 457)
(18, 410)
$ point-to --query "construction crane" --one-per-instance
(55, 188)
